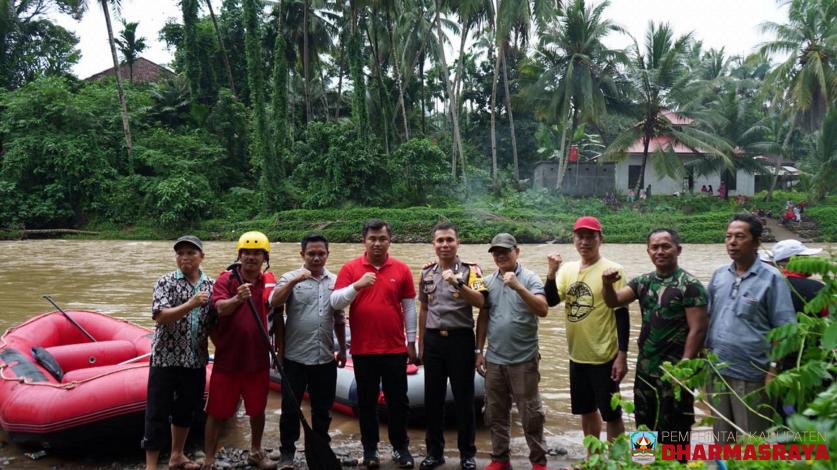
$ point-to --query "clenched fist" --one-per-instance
(554, 261)
(510, 279)
(201, 298)
(243, 292)
(365, 281)
(610, 275)
(303, 275)
(450, 277)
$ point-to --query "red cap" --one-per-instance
(588, 222)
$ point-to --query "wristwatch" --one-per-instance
(477, 351)
(773, 365)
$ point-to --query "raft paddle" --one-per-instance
(318, 453)
(49, 299)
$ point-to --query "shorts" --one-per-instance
(591, 389)
(174, 396)
(226, 388)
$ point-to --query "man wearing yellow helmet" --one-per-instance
(241, 368)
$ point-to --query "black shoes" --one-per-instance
(370, 459)
(430, 462)
(403, 458)
(467, 463)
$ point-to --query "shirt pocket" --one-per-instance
(306, 293)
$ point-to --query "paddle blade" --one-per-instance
(318, 453)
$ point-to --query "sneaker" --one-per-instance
(261, 460)
(370, 459)
(498, 465)
(286, 462)
(468, 463)
(431, 462)
(403, 458)
(538, 466)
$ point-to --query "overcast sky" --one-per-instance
(732, 24)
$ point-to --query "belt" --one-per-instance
(447, 331)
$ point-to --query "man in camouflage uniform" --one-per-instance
(449, 290)
(674, 323)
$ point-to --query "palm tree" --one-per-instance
(822, 160)
(576, 71)
(130, 45)
(457, 136)
(123, 107)
(655, 76)
(807, 79)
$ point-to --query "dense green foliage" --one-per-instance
(312, 105)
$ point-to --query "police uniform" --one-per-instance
(449, 353)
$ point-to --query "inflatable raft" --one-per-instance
(346, 399)
(57, 387)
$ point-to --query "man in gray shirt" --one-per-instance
(307, 343)
(747, 298)
(515, 300)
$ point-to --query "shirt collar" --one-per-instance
(456, 265)
(179, 275)
(754, 269)
(366, 262)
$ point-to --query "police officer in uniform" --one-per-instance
(449, 289)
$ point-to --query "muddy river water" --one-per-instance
(116, 277)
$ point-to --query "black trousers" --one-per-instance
(320, 381)
(174, 396)
(449, 357)
(387, 371)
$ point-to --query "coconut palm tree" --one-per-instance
(807, 79)
(821, 162)
(655, 76)
(130, 45)
(123, 107)
(576, 71)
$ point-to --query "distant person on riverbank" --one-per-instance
(631, 195)
(307, 343)
(449, 290)
(597, 334)
(722, 190)
(703, 189)
(177, 376)
(515, 301)
(382, 296)
(242, 364)
(674, 321)
(747, 298)
(710, 191)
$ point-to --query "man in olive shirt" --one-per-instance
(448, 292)
(515, 301)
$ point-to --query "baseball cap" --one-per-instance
(502, 240)
(588, 222)
(190, 239)
(786, 249)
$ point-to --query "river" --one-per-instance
(116, 277)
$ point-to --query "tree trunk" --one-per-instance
(340, 66)
(382, 94)
(494, 169)
(123, 107)
(305, 61)
(778, 163)
(511, 118)
(224, 55)
(131, 72)
(562, 154)
(397, 70)
(646, 141)
(189, 10)
(325, 95)
(423, 98)
(280, 94)
(458, 78)
(457, 138)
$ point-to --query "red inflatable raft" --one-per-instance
(97, 391)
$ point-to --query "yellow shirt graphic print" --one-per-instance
(591, 326)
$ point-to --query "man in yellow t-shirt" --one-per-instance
(597, 334)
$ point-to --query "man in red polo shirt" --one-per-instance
(381, 293)
(242, 364)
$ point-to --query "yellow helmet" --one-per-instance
(253, 241)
